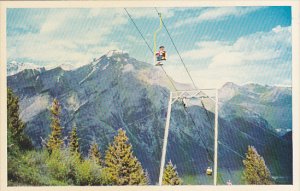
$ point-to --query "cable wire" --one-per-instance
(141, 34)
(207, 150)
(177, 51)
(138, 30)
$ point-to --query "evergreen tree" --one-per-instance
(123, 167)
(74, 144)
(17, 141)
(14, 121)
(55, 141)
(14, 124)
(170, 176)
(94, 154)
(256, 171)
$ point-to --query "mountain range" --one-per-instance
(117, 91)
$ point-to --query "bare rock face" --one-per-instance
(117, 91)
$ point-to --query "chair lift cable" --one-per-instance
(172, 81)
(195, 87)
(138, 30)
(150, 48)
(225, 146)
(206, 112)
(207, 150)
(192, 82)
(233, 151)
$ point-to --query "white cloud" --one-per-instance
(205, 49)
(263, 57)
(56, 19)
(260, 46)
(220, 13)
(75, 37)
(96, 12)
(68, 37)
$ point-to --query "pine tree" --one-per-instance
(170, 176)
(55, 141)
(94, 154)
(74, 144)
(123, 167)
(14, 123)
(256, 171)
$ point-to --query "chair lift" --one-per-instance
(161, 54)
(229, 183)
(209, 171)
(184, 102)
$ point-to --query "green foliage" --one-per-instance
(55, 141)
(170, 176)
(15, 125)
(17, 143)
(74, 142)
(94, 154)
(14, 122)
(69, 168)
(256, 171)
(31, 169)
(123, 167)
(90, 173)
(62, 165)
(83, 173)
(65, 166)
(60, 168)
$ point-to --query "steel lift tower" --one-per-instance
(191, 94)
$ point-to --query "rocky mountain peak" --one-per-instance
(14, 67)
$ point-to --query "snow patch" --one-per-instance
(104, 68)
(84, 79)
(115, 52)
(15, 67)
(128, 68)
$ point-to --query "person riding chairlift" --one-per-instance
(229, 183)
(161, 55)
(209, 171)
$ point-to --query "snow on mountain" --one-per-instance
(117, 91)
(256, 101)
(228, 91)
(14, 67)
(276, 94)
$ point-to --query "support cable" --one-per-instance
(200, 136)
(141, 34)
(203, 142)
(206, 112)
(207, 150)
(138, 30)
(177, 51)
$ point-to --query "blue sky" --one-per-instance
(218, 44)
